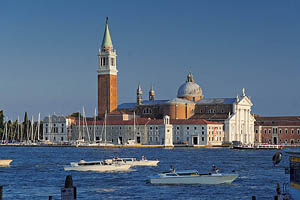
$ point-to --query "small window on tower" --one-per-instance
(112, 62)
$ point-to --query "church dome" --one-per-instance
(189, 89)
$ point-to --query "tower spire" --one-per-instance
(151, 93)
(139, 95)
(106, 42)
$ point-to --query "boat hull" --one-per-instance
(258, 147)
(98, 168)
(202, 179)
(134, 162)
(5, 162)
(143, 163)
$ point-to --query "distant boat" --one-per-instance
(98, 166)
(192, 177)
(257, 146)
(5, 163)
(134, 161)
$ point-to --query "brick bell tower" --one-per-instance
(107, 75)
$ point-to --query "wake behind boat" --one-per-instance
(192, 177)
(5, 163)
(99, 166)
(134, 161)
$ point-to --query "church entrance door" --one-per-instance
(275, 140)
(138, 139)
(195, 140)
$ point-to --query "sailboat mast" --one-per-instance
(79, 133)
(6, 130)
(95, 125)
(18, 129)
(50, 131)
(85, 124)
(38, 128)
(32, 128)
(134, 125)
(105, 127)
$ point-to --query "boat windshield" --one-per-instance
(90, 163)
(187, 173)
(171, 174)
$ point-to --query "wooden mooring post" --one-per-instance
(1, 188)
(68, 192)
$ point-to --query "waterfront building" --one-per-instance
(151, 131)
(283, 130)
(57, 129)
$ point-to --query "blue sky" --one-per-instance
(48, 52)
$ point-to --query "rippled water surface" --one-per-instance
(37, 173)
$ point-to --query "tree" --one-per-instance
(1, 122)
(26, 126)
(76, 114)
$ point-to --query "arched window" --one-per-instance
(147, 111)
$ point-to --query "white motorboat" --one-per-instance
(99, 166)
(5, 163)
(257, 146)
(134, 161)
(192, 177)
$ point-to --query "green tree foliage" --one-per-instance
(76, 114)
(1, 122)
(26, 127)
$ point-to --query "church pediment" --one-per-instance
(245, 101)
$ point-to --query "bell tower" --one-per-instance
(139, 95)
(151, 94)
(107, 75)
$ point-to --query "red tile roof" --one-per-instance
(278, 121)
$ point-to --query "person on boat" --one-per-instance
(214, 169)
(143, 157)
(172, 169)
(82, 161)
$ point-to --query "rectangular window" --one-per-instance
(112, 62)
(195, 128)
(202, 138)
(202, 132)
(269, 131)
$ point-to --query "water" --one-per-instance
(37, 173)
